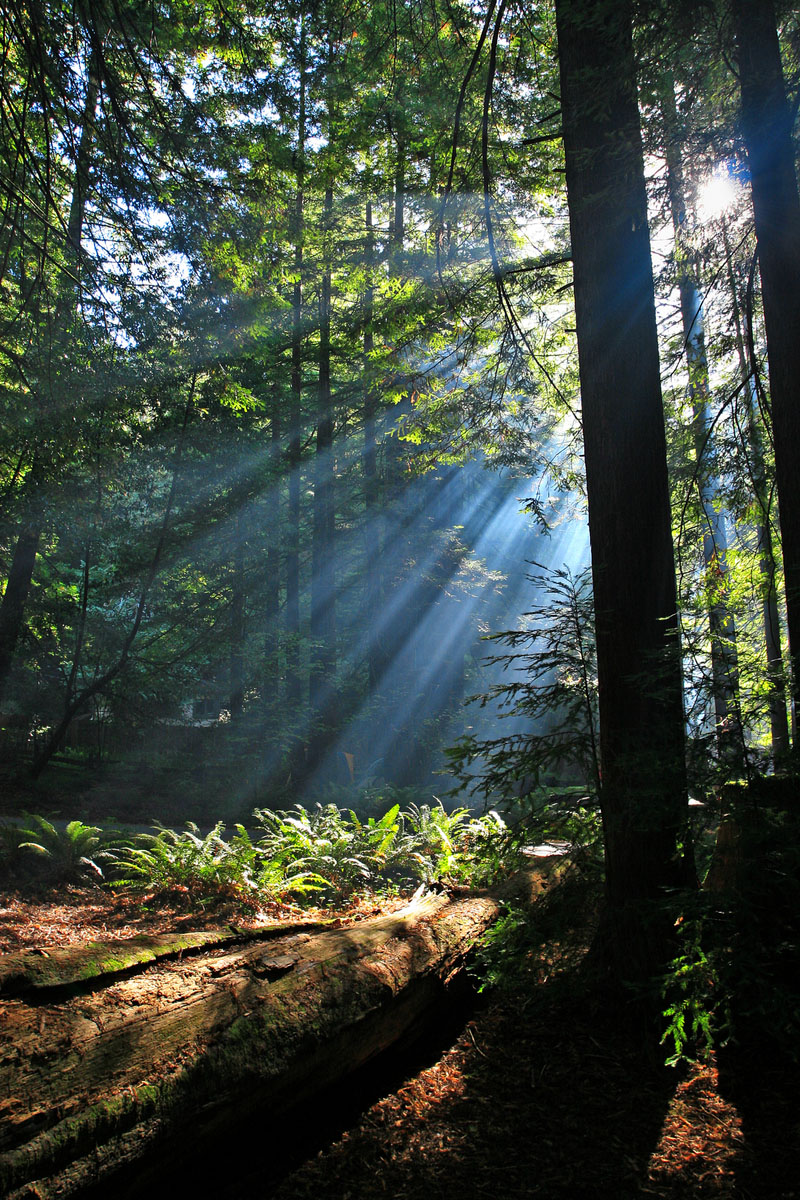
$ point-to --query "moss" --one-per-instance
(64, 968)
(81, 1132)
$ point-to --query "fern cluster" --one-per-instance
(327, 852)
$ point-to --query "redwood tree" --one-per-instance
(767, 127)
(643, 793)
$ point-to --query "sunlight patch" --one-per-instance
(717, 194)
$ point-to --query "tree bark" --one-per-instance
(15, 596)
(767, 128)
(639, 672)
(117, 1052)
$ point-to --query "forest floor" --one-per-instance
(542, 1094)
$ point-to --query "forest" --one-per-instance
(400, 545)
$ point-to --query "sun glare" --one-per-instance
(716, 194)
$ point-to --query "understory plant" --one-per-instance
(532, 943)
(734, 976)
(206, 865)
(74, 853)
(548, 699)
(418, 845)
(498, 958)
(692, 1006)
(329, 843)
(326, 852)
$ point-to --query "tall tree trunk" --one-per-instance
(293, 684)
(639, 671)
(323, 574)
(722, 628)
(23, 560)
(776, 701)
(767, 126)
(237, 622)
(15, 596)
(272, 588)
(372, 576)
(392, 640)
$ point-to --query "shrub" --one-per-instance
(75, 853)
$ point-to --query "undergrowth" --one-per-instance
(532, 942)
(734, 981)
(326, 854)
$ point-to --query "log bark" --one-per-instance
(117, 1053)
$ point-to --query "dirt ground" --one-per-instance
(44, 917)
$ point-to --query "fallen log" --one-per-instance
(115, 1053)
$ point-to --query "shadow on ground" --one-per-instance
(541, 1098)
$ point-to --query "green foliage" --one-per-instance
(498, 959)
(734, 975)
(325, 852)
(177, 316)
(492, 850)
(370, 798)
(568, 815)
(688, 991)
(420, 844)
(530, 943)
(323, 843)
(74, 853)
(200, 864)
(207, 866)
(439, 837)
(552, 701)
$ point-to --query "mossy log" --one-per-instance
(110, 1053)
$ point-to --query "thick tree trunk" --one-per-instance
(767, 126)
(639, 673)
(112, 1053)
(15, 596)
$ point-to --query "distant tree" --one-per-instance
(722, 627)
